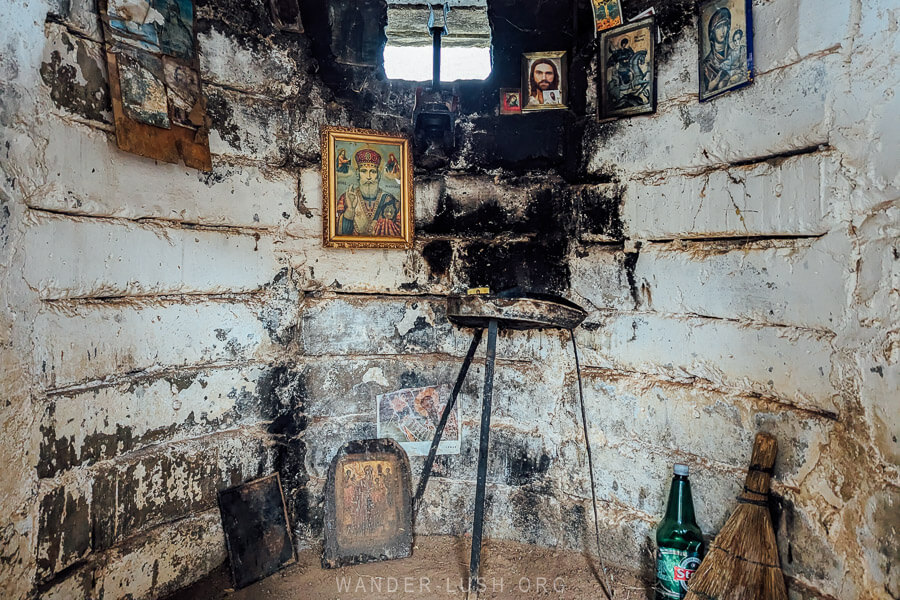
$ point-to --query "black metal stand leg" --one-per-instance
(478, 525)
(429, 461)
(604, 585)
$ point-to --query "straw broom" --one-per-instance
(742, 563)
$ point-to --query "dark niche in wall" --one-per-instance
(527, 239)
(346, 65)
(348, 38)
(357, 31)
(286, 14)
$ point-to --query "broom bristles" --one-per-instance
(748, 533)
(736, 579)
(743, 563)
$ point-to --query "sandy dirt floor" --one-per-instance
(438, 570)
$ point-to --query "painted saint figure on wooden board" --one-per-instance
(726, 46)
(368, 506)
(367, 510)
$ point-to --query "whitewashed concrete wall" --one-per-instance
(765, 291)
(144, 310)
(763, 297)
(146, 307)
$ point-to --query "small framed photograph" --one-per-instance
(510, 101)
(367, 188)
(607, 14)
(627, 73)
(726, 46)
(544, 81)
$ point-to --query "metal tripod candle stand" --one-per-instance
(532, 311)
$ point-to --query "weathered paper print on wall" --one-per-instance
(176, 32)
(726, 46)
(157, 102)
(183, 88)
(607, 14)
(411, 417)
(143, 91)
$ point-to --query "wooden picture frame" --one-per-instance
(367, 189)
(155, 87)
(368, 504)
(626, 77)
(544, 94)
(725, 46)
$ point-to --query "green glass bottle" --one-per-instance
(679, 542)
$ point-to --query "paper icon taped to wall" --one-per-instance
(411, 417)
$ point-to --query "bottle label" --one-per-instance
(673, 571)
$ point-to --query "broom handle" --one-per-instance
(756, 487)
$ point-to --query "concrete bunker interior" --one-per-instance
(166, 333)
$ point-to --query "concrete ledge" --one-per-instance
(790, 365)
(803, 283)
(97, 340)
(118, 258)
(168, 558)
(626, 411)
(91, 510)
(250, 64)
(82, 428)
(801, 195)
(250, 128)
(81, 171)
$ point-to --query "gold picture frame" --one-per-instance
(544, 81)
(367, 189)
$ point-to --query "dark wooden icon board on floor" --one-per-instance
(368, 514)
(257, 531)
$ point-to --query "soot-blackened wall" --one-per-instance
(166, 333)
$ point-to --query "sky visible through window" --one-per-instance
(414, 63)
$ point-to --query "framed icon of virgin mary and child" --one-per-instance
(367, 189)
(726, 46)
